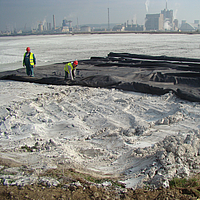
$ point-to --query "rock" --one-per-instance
(159, 181)
(105, 184)
(93, 188)
(183, 172)
(48, 182)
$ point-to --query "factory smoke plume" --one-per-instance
(147, 5)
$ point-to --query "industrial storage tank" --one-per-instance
(85, 29)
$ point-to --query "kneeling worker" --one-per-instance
(70, 69)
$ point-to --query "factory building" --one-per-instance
(154, 22)
(118, 27)
(169, 23)
(66, 25)
(163, 21)
(167, 15)
(134, 27)
(190, 27)
(40, 27)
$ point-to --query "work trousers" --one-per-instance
(29, 70)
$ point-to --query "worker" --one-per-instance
(70, 70)
(29, 61)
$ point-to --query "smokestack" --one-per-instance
(77, 24)
(108, 20)
(166, 4)
(54, 23)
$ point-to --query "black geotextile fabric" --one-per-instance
(131, 72)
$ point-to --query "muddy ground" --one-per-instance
(155, 75)
(90, 191)
(80, 186)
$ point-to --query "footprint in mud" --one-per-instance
(91, 152)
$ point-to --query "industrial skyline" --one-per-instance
(20, 14)
(163, 21)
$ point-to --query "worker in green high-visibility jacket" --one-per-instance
(29, 61)
(70, 70)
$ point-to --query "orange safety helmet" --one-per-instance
(28, 49)
(75, 62)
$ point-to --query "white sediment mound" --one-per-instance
(142, 139)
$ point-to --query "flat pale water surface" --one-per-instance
(51, 49)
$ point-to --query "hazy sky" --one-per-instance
(21, 13)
